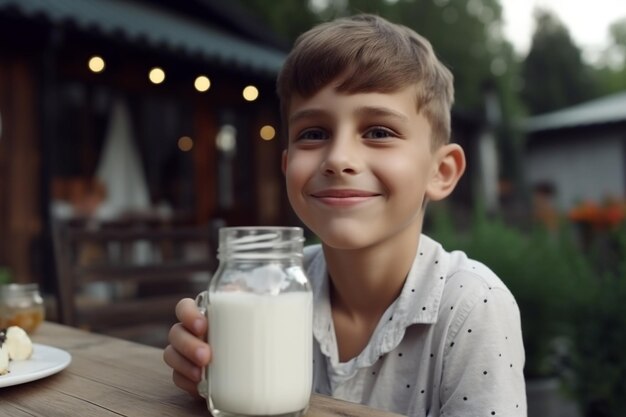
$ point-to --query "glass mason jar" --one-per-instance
(21, 305)
(260, 311)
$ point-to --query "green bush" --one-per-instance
(597, 367)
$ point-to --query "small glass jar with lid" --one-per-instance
(21, 305)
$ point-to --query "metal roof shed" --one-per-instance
(607, 109)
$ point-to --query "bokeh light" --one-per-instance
(185, 143)
(202, 83)
(267, 132)
(250, 93)
(157, 75)
(96, 64)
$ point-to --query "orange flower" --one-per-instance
(610, 215)
(586, 212)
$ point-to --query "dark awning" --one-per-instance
(143, 23)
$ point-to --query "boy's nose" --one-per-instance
(343, 158)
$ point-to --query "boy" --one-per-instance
(399, 323)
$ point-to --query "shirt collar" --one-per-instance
(418, 302)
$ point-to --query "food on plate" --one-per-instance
(14, 345)
(19, 344)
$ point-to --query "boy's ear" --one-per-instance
(449, 166)
(283, 162)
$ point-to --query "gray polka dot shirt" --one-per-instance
(450, 345)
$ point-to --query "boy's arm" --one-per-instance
(484, 360)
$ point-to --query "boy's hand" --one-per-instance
(187, 352)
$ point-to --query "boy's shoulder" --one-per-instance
(457, 263)
(455, 279)
(469, 282)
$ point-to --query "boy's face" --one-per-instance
(359, 166)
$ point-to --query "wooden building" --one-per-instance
(75, 73)
(205, 151)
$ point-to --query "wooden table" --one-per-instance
(114, 377)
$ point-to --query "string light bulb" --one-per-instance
(202, 83)
(250, 93)
(156, 75)
(96, 64)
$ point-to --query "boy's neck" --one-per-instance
(365, 282)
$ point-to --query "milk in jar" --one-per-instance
(261, 348)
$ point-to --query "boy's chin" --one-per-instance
(342, 239)
(359, 236)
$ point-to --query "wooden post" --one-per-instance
(20, 164)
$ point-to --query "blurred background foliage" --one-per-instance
(468, 36)
(596, 370)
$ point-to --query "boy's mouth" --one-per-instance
(343, 193)
(343, 197)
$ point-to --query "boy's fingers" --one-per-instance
(188, 314)
(185, 384)
(189, 346)
(181, 365)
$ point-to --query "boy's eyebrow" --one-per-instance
(360, 111)
(306, 113)
(381, 111)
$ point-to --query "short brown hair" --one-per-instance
(370, 54)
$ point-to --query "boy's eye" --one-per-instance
(379, 133)
(313, 134)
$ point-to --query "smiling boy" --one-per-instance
(399, 323)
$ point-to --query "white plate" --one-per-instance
(46, 361)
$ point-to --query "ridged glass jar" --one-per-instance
(260, 308)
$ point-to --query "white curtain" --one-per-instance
(120, 168)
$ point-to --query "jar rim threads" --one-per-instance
(264, 242)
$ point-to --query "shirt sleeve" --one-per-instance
(482, 373)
